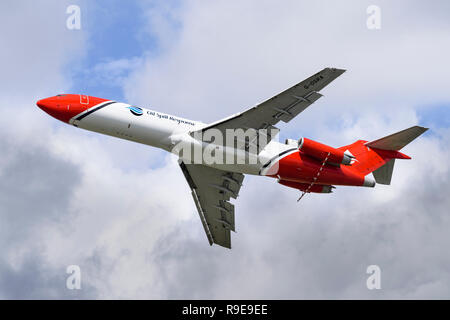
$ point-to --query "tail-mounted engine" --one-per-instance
(321, 152)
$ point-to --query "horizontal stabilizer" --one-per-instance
(383, 174)
(397, 140)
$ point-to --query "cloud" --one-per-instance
(36, 190)
(227, 57)
(123, 211)
(36, 47)
(114, 71)
(321, 249)
(245, 52)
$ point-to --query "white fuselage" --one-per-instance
(165, 131)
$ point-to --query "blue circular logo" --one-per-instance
(136, 111)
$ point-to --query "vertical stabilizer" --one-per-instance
(379, 156)
(383, 174)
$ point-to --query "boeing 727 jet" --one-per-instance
(214, 157)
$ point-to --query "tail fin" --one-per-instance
(393, 142)
(379, 156)
(383, 174)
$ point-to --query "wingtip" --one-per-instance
(340, 71)
(423, 129)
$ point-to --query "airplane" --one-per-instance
(303, 164)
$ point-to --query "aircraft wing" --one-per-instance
(211, 189)
(282, 107)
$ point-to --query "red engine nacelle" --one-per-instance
(320, 151)
(317, 188)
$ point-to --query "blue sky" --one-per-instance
(114, 32)
(435, 115)
(122, 32)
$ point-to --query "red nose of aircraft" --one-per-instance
(66, 106)
(49, 105)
